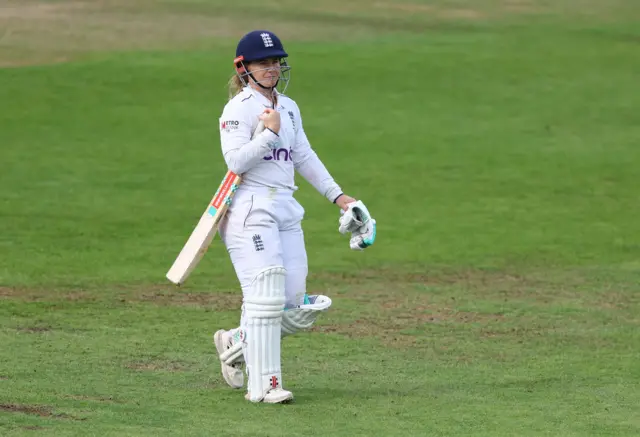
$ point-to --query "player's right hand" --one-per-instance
(271, 119)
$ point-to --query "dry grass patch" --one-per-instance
(217, 301)
(33, 427)
(432, 11)
(39, 31)
(36, 410)
(37, 294)
(389, 323)
(387, 307)
(522, 6)
(107, 399)
(34, 329)
(393, 306)
(158, 365)
(146, 293)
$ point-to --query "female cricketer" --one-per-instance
(262, 229)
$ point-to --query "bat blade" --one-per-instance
(204, 232)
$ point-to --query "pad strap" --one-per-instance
(234, 354)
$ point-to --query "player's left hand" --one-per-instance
(357, 220)
(344, 200)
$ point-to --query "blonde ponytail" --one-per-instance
(235, 85)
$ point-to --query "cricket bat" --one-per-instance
(204, 232)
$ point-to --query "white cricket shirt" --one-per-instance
(270, 160)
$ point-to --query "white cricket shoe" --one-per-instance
(232, 373)
(275, 396)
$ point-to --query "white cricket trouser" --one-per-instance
(261, 229)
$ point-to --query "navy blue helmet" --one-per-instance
(258, 45)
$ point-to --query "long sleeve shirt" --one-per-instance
(271, 159)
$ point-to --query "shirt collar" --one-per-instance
(262, 99)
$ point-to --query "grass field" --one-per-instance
(495, 141)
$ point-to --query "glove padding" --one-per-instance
(304, 316)
(357, 220)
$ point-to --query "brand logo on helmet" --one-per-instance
(266, 38)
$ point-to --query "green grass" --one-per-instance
(499, 156)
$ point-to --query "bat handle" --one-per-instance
(259, 129)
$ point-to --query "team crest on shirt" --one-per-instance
(293, 119)
(257, 242)
(229, 125)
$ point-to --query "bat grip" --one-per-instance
(259, 129)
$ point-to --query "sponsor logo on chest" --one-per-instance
(280, 154)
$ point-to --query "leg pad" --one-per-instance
(263, 308)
